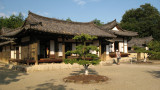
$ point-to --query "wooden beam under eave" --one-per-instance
(63, 48)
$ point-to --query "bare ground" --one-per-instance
(121, 77)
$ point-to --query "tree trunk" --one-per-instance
(86, 69)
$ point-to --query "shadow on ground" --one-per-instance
(79, 72)
(48, 86)
(8, 76)
(155, 73)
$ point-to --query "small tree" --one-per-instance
(98, 22)
(83, 52)
(69, 19)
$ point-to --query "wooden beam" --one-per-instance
(56, 47)
(104, 46)
(100, 46)
(63, 48)
(36, 51)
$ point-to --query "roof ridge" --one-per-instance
(9, 29)
(103, 29)
(55, 19)
(110, 22)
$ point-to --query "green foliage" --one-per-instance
(83, 51)
(81, 61)
(139, 49)
(79, 50)
(154, 45)
(154, 52)
(84, 37)
(144, 20)
(98, 22)
(12, 22)
(154, 55)
(69, 20)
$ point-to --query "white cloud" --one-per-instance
(83, 2)
(8, 14)
(3, 15)
(24, 14)
(14, 13)
(43, 13)
(94, 0)
(80, 2)
(46, 13)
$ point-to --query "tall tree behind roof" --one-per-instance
(144, 20)
(12, 22)
(98, 22)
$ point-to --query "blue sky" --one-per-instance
(77, 10)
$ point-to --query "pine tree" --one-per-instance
(83, 52)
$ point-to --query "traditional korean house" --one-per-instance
(43, 39)
(139, 42)
(120, 42)
(5, 44)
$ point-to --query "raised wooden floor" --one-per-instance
(43, 60)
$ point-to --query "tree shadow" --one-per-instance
(91, 72)
(8, 76)
(47, 86)
(155, 73)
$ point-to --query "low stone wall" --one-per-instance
(42, 67)
(50, 66)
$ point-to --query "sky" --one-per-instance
(76, 10)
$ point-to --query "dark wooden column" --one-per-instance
(56, 48)
(100, 46)
(63, 48)
(103, 47)
(36, 43)
(34, 50)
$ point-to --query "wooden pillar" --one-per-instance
(123, 44)
(63, 48)
(56, 48)
(36, 43)
(100, 46)
(104, 53)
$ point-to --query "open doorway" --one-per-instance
(44, 49)
(68, 47)
(116, 45)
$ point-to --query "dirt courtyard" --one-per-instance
(121, 77)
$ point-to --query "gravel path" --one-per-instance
(122, 77)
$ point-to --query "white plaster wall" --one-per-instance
(12, 54)
(121, 46)
(52, 47)
(60, 49)
(115, 29)
(111, 47)
(20, 52)
(107, 49)
(125, 46)
(73, 48)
